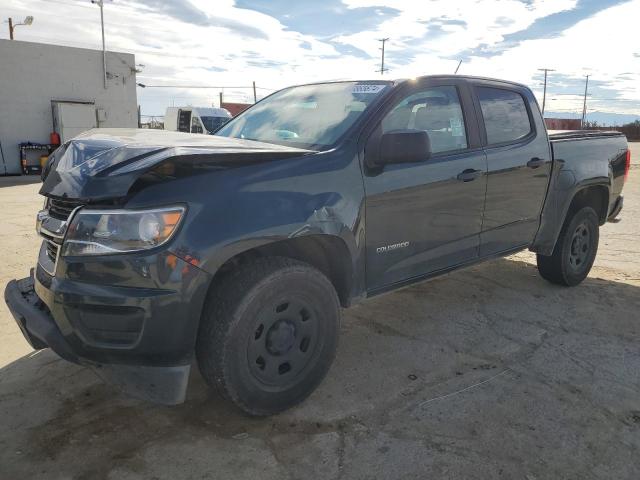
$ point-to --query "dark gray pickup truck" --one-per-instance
(239, 250)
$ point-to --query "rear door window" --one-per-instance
(506, 119)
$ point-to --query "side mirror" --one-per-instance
(404, 146)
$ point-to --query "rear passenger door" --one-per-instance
(519, 165)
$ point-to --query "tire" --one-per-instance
(269, 334)
(575, 250)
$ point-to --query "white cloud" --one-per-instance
(250, 45)
(487, 22)
(602, 46)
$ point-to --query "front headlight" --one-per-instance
(99, 232)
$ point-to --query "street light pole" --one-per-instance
(100, 3)
(584, 104)
(27, 21)
(544, 95)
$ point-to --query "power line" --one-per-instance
(70, 4)
(597, 99)
(218, 87)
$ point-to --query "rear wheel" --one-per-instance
(269, 334)
(575, 250)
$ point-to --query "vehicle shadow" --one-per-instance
(13, 180)
(404, 361)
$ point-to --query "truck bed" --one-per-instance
(589, 154)
(576, 134)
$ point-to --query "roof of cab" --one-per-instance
(399, 81)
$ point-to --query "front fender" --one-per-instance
(328, 246)
(235, 247)
(231, 211)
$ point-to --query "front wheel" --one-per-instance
(269, 334)
(575, 250)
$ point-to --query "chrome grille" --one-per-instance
(52, 250)
(61, 209)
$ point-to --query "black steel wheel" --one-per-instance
(285, 339)
(269, 334)
(580, 247)
(575, 249)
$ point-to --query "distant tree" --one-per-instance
(631, 130)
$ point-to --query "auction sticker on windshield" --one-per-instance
(366, 88)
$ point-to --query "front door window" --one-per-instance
(435, 110)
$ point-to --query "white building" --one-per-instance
(47, 88)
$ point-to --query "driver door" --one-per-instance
(426, 216)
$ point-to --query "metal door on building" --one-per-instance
(70, 119)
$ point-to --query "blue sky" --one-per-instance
(279, 43)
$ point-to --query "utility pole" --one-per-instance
(544, 95)
(100, 3)
(382, 69)
(584, 104)
(221, 99)
(10, 29)
(255, 96)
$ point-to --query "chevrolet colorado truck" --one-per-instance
(237, 251)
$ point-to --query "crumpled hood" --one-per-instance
(104, 163)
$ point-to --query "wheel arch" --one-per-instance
(558, 209)
(328, 253)
(595, 196)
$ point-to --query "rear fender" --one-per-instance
(564, 189)
(579, 164)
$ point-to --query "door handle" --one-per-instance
(469, 175)
(535, 162)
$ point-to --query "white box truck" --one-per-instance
(195, 119)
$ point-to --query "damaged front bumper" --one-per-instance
(151, 361)
(34, 319)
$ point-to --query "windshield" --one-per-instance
(311, 116)
(211, 124)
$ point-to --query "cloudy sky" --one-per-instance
(283, 42)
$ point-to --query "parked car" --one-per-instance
(195, 119)
(241, 248)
